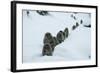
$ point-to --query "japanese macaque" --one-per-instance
(60, 36)
(66, 32)
(89, 26)
(74, 18)
(73, 27)
(89, 57)
(27, 13)
(47, 50)
(77, 24)
(49, 39)
(43, 13)
(81, 21)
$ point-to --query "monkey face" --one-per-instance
(48, 35)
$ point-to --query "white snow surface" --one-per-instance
(76, 47)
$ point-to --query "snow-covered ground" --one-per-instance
(76, 47)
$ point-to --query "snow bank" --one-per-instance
(75, 47)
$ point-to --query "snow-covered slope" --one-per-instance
(76, 47)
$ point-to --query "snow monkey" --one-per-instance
(77, 24)
(89, 26)
(49, 39)
(81, 21)
(60, 36)
(47, 50)
(73, 27)
(66, 32)
(27, 13)
(43, 13)
(74, 18)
